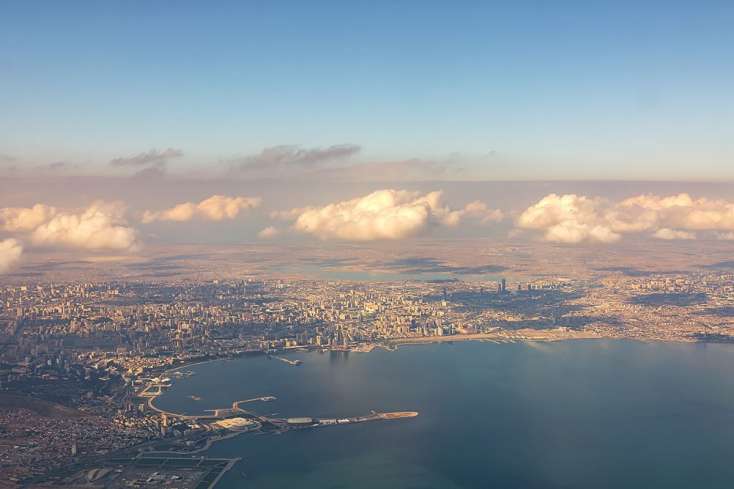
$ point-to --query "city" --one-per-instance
(80, 360)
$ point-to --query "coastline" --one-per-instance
(547, 336)
(499, 337)
(528, 336)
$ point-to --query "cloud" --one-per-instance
(290, 160)
(476, 210)
(339, 163)
(215, 208)
(15, 219)
(154, 171)
(147, 158)
(288, 215)
(101, 226)
(268, 233)
(683, 212)
(670, 234)
(573, 218)
(57, 167)
(289, 155)
(384, 214)
(10, 251)
(568, 219)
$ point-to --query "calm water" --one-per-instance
(564, 415)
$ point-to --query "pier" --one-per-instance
(292, 363)
(280, 423)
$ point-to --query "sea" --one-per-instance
(569, 414)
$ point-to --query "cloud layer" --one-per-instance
(215, 208)
(10, 251)
(574, 218)
(385, 214)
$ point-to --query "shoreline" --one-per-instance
(388, 344)
(391, 345)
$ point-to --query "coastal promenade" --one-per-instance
(501, 337)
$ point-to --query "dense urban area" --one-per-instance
(81, 362)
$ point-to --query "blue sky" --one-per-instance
(555, 89)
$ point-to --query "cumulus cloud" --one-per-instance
(25, 218)
(568, 219)
(100, 226)
(268, 232)
(10, 251)
(683, 212)
(215, 208)
(476, 210)
(147, 158)
(573, 218)
(384, 214)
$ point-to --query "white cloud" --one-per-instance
(100, 226)
(573, 218)
(384, 214)
(178, 213)
(10, 251)
(25, 218)
(268, 232)
(215, 208)
(568, 219)
(477, 211)
(684, 212)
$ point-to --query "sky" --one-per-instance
(127, 124)
(567, 90)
